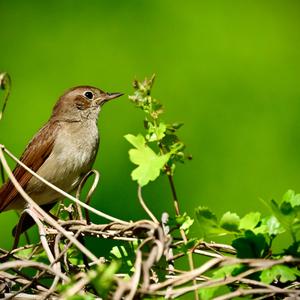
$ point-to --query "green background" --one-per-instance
(229, 70)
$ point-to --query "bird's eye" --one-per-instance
(89, 95)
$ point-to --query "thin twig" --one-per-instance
(63, 193)
(89, 194)
(145, 207)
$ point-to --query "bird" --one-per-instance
(61, 152)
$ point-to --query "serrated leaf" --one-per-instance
(295, 201)
(149, 167)
(273, 225)
(285, 220)
(230, 222)
(208, 221)
(137, 141)
(292, 198)
(249, 221)
(288, 196)
(279, 272)
(149, 163)
(269, 225)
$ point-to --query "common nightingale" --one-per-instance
(62, 151)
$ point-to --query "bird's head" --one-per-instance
(81, 102)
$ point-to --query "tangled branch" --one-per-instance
(154, 245)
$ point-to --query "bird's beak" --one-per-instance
(107, 97)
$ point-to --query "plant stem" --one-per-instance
(183, 235)
(174, 194)
(2, 173)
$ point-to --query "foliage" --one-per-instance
(169, 149)
(252, 235)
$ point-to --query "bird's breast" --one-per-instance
(72, 156)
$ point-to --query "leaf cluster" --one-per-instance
(159, 147)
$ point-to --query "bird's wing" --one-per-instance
(35, 154)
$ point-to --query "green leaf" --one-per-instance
(122, 253)
(184, 221)
(80, 297)
(273, 225)
(210, 292)
(249, 221)
(25, 253)
(279, 272)
(288, 213)
(270, 226)
(230, 222)
(149, 163)
(296, 200)
(188, 246)
(156, 133)
(104, 278)
(285, 219)
(226, 271)
(251, 245)
(137, 141)
(74, 256)
(126, 255)
(293, 249)
(291, 197)
(208, 221)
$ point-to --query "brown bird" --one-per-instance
(62, 151)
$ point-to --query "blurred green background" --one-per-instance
(229, 70)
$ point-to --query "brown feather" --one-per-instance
(36, 153)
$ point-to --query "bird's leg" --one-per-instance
(25, 222)
(17, 231)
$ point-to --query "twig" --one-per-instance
(63, 193)
(133, 284)
(31, 264)
(145, 207)
(89, 194)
